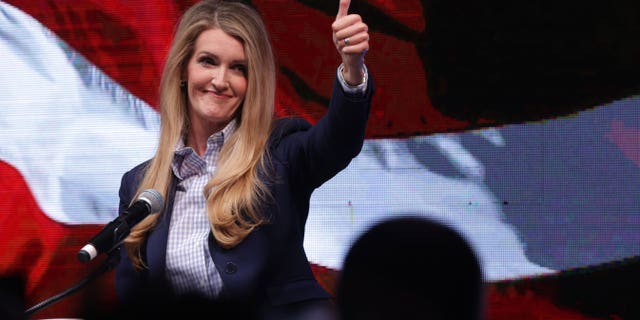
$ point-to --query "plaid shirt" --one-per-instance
(190, 268)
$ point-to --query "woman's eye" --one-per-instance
(241, 68)
(207, 60)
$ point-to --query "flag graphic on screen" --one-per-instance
(78, 109)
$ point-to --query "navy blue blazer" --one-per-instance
(269, 267)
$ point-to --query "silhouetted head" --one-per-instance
(410, 267)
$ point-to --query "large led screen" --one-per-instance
(538, 191)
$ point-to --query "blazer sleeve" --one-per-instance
(127, 280)
(319, 153)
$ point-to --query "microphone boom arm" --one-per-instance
(112, 260)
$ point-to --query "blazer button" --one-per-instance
(230, 268)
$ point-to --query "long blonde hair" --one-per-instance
(235, 192)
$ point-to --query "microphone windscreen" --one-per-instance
(153, 198)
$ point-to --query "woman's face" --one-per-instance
(216, 80)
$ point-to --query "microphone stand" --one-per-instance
(112, 260)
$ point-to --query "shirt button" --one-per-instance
(230, 268)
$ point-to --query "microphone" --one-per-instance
(149, 201)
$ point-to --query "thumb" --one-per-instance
(343, 9)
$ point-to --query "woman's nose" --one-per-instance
(219, 78)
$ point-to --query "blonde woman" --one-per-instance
(236, 181)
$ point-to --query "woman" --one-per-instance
(237, 182)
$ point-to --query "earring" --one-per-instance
(183, 83)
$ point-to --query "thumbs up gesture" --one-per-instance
(351, 38)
